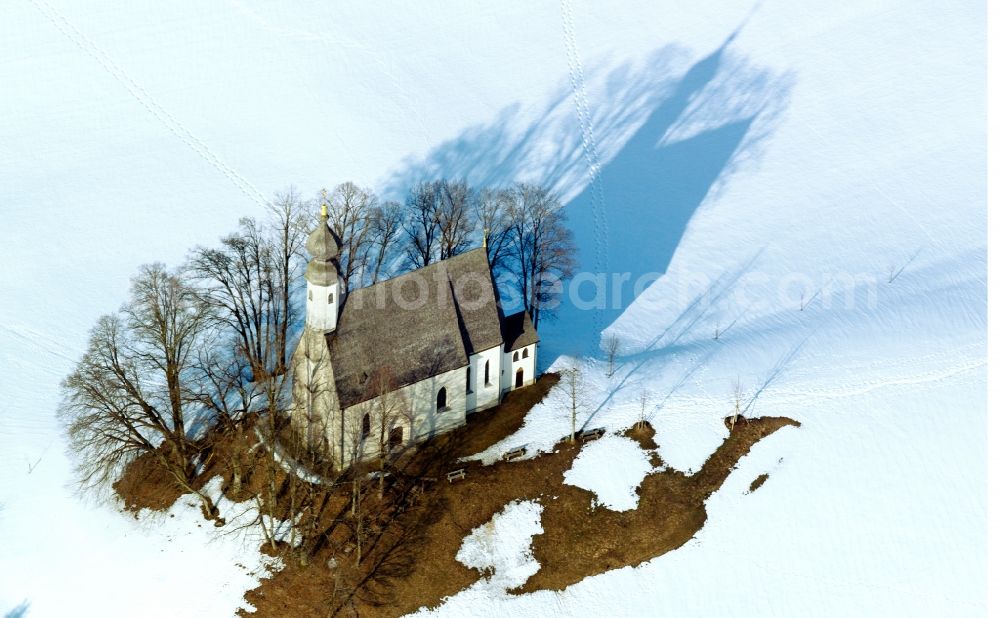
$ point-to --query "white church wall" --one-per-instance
(421, 419)
(527, 364)
(426, 420)
(480, 394)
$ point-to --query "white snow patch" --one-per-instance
(611, 467)
(502, 546)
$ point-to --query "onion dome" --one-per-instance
(324, 246)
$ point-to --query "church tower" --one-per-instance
(324, 283)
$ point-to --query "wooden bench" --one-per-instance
(592, 434)
(456, 475)
(520, 451)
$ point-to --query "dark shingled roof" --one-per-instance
(324, 245)
(476, 300)
(385, 327)
(518, 331)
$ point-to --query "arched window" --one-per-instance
(515, 357)
(525, 353)
(486, 373)
(395, 437)
(366, 426)
(468, 379)
(310, 294)
(329, 298)
(442, 400)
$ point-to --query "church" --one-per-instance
(404, 359)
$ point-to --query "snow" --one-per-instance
(610, 467)
(749, 156)
(501, 547)
(66, 568)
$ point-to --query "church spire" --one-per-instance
(323, 244)
(324, 282)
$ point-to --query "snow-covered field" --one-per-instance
(779, 161)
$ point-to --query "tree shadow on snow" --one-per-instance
(18, 612)
(637, 154)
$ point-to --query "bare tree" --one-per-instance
(298, 454)
(356, 435)
(307, 506)
(268, 511)
(288, 222)
(166, 317)
(105, 407)
(388, 409)
(420, 231)
(542, 246)
(350, 209)
(612, 349)
(722, 330)
(455, 217)
(249, 280)
(738, 396)
(493, 210)
(128, 396)
(302, 444)
(571, 386)
(220, 382)
(643, 402)
(386, 220)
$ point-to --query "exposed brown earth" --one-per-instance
(409, 559)
(580, 541)
(757, 482)
(413, 561)
(146, 485)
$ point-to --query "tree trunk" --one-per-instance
(381, 475)
(237, 471)
(358, 538)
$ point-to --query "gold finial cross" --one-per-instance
(322, 208)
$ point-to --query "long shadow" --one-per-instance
(652, 189)
(776, 371)
(676, 135)
(20, 611)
